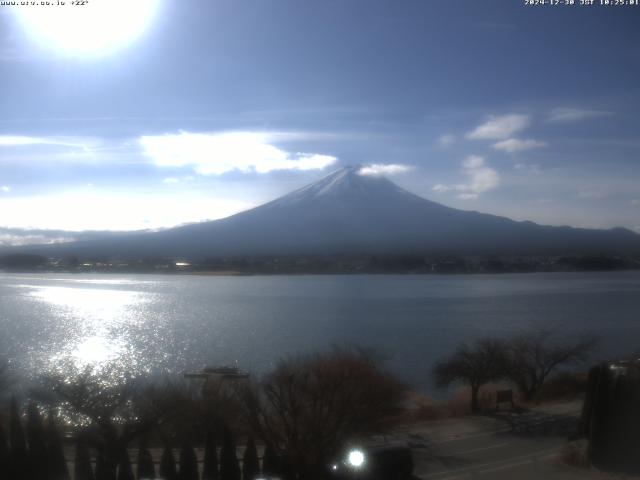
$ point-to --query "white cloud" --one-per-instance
(24, 140)
(76, 210)
(481, 179)
(5, 188)
(441, 188)
(446, 140)
(513, 145)
(178, 180)
(218, 153)
(18, 140)
(378, 169)
(467, 196)
(28, 239)
(472, 162)
(574, 114)
(499, 127)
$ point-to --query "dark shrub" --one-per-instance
(188, 463)
(37, 441)
(146, 469)
(229, 468)
(105, 470)
(82, 467)
(56, 462)
(270, 463)
(125, 472)
(210, 470)
(564, 386)
(168, 465)
(4, 454)
(250, 466)
(18, 445)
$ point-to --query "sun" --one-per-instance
(87, 27)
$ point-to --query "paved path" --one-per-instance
(494, 455)
(490, 448)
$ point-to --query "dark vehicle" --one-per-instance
(381, 462)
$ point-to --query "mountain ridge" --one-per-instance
(346, 212)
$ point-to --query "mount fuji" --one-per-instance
(350, 213)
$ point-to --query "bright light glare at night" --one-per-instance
(356, 458)
(95, 28)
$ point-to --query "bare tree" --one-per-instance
(473, 364)
(176, 407)
(534, 355)
(310, 406)
(111, 409)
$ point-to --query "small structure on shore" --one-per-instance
(214, 377)
(224, 372)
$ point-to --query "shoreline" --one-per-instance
(239, 273)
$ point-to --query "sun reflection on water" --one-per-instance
(97, 324)
(96, 350)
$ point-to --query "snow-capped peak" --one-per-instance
(344, 183)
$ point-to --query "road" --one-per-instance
(487, 448)
(493, 455)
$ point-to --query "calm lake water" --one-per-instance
(151, 323)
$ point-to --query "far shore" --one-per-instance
(272, 273)
(343, 264)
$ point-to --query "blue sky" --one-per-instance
(210, 107)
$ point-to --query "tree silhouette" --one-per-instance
(250, 465)
(105, 469)
(210, 469)
(331, 397)
(37, 441)
(229, 468)
(125, 472)
(188, 463)
(18, 444)
(474, 364)
(534, 355)
(4, 455)
(82, 467)
(168, 465)
(113, 405)
(146, 469)
(56, 462)
(270, 463)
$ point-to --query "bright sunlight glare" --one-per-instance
(356, 458)
(96, 350)
(94, 27)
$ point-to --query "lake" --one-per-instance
(151, 323)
